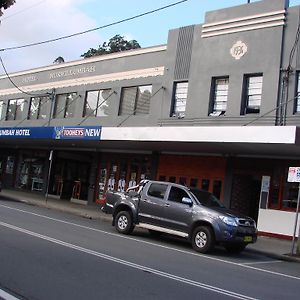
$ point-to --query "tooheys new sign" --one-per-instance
(56, 133)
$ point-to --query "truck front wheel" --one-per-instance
(203, 239)
(124, 222)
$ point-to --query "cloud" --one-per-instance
(30, 21)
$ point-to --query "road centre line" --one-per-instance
(241, 265)
(130, 264)
(263, 262)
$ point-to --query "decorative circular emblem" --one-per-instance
(238, 50)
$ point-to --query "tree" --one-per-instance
(5, 4)
(115, 44)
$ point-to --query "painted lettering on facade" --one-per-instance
(72, 72)
(29, 79)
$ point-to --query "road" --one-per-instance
(45, 254)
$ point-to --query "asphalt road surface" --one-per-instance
(45, 254)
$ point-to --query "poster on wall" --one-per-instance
(294, 174)
(10, 165)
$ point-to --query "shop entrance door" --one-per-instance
(245, 194)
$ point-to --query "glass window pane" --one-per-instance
(1, 109)
(298, 95)
(70, 105)
(44, 108)
(128, 101)
(254, 94)
(60, 103)
(104, 103)
(11, 111)
(181, 91)
(221, 86)
(144, 94)
(19, 109)
(34, 108)
(91, 103)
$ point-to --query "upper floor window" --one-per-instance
(297, 102)
(65, 105)
(252, 94)
(15, 109)
(180, 97)
(135, 100)
(219, 96)
(97, 103)
(39, 108)
(1, 109)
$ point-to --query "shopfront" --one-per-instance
(207, 173)
(119, 171)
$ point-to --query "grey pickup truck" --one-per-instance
(164, 207)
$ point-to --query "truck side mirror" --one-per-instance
(186, 200)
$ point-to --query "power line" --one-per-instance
(268, 112)
(99, 105)
(11, 81)
(94, 29)
(143, 103)
(21, 11)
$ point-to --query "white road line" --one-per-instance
(130, 264)
(6, 296)
(263, 262)
(241, 265)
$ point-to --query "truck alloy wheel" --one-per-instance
(203, 239)
(124, 222)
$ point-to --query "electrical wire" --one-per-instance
(268, 112)
(12, 82)
(21, 11)
(86, 117)
(94, 29)
(122, 122)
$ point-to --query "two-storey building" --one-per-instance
(217, 108)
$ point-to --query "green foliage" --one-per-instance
(115, 44)
(5, 4)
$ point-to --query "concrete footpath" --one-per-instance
(272, 247)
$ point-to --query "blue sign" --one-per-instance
(56, 133)
(77, 133)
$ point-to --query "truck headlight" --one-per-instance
(229, 221)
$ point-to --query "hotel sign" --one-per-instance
(72, 72)
(53, 133)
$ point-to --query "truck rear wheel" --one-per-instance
(203, 239)
(124, 222)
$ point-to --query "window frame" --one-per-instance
(136, 100)
(297, 94)
(40, 104)
(158, 184)
(15, 117)
(1, 108)
(174, 112)
(213, 96)
(62, 113)
(100, 99)
(245, 108)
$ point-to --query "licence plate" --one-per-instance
(247, 238)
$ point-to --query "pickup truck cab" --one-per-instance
(164, 207)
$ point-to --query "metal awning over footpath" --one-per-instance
(260, 141)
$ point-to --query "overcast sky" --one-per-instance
(30, 21)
